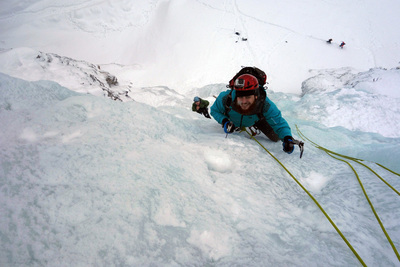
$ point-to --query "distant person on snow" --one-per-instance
(329, 41)
(246, 106)
(201, 106)
(342, 44)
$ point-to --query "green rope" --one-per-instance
(372, 207)
(383, 180)
(343, 156)
(315, 201)
(387, 169)
(331, 153)
(351, 158)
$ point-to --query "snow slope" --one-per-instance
(143, 181)
(184, 44)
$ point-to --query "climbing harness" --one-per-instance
(254, 131)
(315, 201)
(346, 159)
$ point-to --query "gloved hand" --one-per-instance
(287, 144)
(229, 127)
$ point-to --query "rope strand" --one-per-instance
(331, 153)
(315, 201)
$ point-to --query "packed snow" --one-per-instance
(103, 163)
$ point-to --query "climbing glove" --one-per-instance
(229, 127)
(287, 144)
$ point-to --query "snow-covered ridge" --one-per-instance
(86, 77)
(359, 101)
(340, 97)
(380, 81)
(83, 77)
(78, 75)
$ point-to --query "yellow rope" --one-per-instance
(383, 180)
(387, 169)
(315, 201)
(351, 158)
(331, 153)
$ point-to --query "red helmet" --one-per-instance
(245, 84)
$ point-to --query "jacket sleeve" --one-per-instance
(274, 118)
(204, 103)
(218, 108)
(194, 107)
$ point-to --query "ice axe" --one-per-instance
(300, 144)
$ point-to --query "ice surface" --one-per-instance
(90, 181)
(144, 181)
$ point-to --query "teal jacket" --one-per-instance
(271, 113)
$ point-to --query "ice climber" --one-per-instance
(247, 105)
(201, 106)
